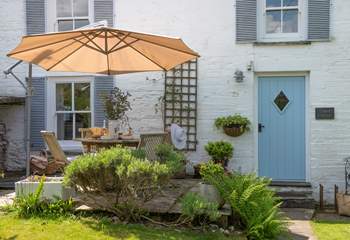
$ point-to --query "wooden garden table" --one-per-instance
(88, 143)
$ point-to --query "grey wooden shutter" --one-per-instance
(103, 85)
(246, 21)
(318, 20)
(38, 112)
(104, 11)
(35, 16)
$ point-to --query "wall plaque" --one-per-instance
(324, 113)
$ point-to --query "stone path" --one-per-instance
(6, 197)
(299, 224)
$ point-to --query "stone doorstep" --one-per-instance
(295, 196)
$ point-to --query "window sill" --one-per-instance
(282, 43)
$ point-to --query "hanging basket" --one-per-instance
(234, 131)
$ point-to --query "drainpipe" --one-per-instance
(29, 94)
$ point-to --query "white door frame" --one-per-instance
(307, 116)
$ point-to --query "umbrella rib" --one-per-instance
(116, 45)
(161, 45)
(70, 54)
(95, 43)
(97, 50)
(61, 48)
(127, 45)
(143, 54)
(45, 45)
(106, 49)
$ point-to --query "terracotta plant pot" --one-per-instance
(196, 169)
(234, 131)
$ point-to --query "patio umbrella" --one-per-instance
(99, 50)
(103, 50)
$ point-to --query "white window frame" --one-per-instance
(285, 37)
(51, 118)
(52, 19)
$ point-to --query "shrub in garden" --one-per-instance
(174, 160)
(33, 205)
(250, 199)
(196, 208)
(116, 181)
(220, 151)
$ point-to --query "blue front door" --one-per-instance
(282, 128)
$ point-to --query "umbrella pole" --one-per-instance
(28, 116)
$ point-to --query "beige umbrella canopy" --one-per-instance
(103, 50)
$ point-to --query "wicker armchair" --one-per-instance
(149, 142)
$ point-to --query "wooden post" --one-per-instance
(321, 197)
(336, 189)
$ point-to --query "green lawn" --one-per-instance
(331, 230)
(12, 227)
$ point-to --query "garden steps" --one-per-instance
(295, 196)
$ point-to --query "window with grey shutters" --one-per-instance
(282, 20)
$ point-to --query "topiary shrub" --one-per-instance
(116, 181)
(251, 200)
(220, 151)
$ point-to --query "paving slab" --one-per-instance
(299, 226)
(6, 197)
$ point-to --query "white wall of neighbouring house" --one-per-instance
(209, 28)
(12, 27)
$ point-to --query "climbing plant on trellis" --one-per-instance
(180, 100)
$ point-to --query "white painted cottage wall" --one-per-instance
(209, 28)
(12, 26)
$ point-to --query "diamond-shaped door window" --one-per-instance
(281, 101)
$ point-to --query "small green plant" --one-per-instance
(251, 200)
(220, 151)
(33, 205)
(174, 160)
(233, 121)
(195, 208)
(211, 169)
(138, 153)
(117, 104)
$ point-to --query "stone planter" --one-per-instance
(209, 192)
(53, 188)
(343, 202)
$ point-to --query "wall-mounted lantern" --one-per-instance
(239, 76)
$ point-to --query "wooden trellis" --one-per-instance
(180, 100)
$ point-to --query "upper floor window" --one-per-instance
(65, 15)
(282, 19)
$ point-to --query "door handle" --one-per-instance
(260, 127)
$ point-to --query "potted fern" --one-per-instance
(233, 125)
(116, 105)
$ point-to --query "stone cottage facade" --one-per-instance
(292, 50)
